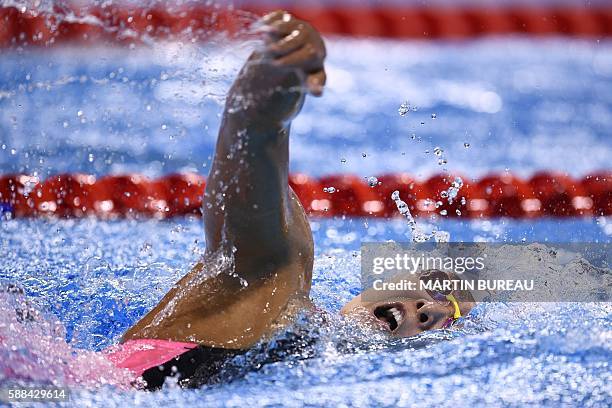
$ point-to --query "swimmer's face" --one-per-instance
(402, 316)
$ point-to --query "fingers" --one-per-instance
(315, 82)
(306, 58)
(277, 24)
(275, 16)
(292, 42)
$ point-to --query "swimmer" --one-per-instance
(259, 246)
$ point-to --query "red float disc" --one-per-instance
(599, 189)
(182, 193)
(449, 23)
(64, 195)
(505, 196)
(128, 195)
(560, 195)
(15, 194)
(352, 196)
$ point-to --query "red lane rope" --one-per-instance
(498, 195)
(129, 24)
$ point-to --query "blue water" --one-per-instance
(522, 105)
(97, 278)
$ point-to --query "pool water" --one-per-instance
(96, 278)
(520, 104)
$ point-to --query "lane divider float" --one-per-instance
(129, 24)
(549, 194)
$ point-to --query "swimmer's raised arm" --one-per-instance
(251, 215)
(247, 200)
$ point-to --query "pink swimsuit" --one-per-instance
(141, 354)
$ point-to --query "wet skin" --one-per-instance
(259, 247)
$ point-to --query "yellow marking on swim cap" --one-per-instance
(453, 300)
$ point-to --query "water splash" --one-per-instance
(453, 190)
(33, 350)
(417, 234)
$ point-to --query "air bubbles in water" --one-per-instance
(438, 151)
(329, 189)
(466, 145)
(363, 154)
(433, 116)
(373, 181)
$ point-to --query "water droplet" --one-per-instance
(458, 212)
(433, 116)
(443, 212)
(466, 145)
(329, 189)
(438, 151)
(342, 160)
(13, 152)
(65, 124)
(91, 157)
(79, 113)
(373, 181)
(363, 154)
(441, 236)
(164, 127)
(404, 109)
(148, 107)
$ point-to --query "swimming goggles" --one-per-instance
(442, 296)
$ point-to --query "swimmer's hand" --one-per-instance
(270, 89)
(297, 45)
